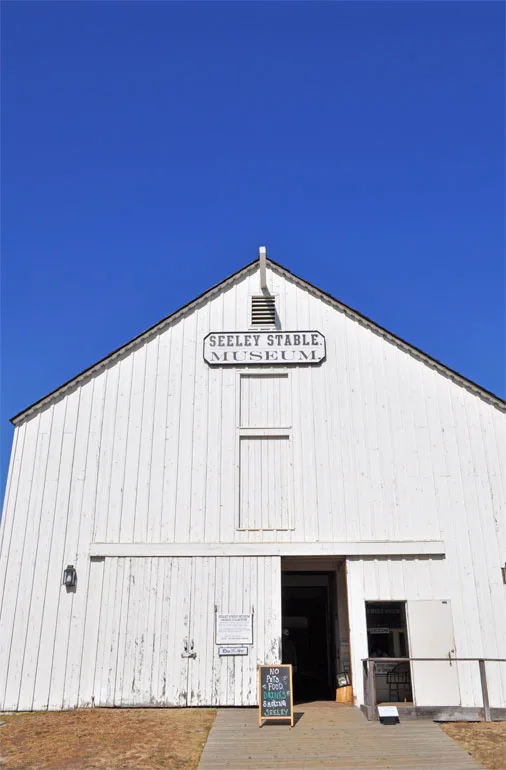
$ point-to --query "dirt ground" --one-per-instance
(485, 741)
(160, 739)
(104, 739)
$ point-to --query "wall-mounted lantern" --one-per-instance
(503, 570)
(69, 576)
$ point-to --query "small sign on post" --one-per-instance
(275, 693)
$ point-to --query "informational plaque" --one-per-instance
(275, 693)
(234, 629)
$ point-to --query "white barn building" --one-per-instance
(264, 459)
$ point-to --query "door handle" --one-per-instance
(188, 653)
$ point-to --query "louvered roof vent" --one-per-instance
(263, 311)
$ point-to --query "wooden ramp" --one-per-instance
(328, 736)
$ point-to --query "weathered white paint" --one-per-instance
(153, 611)
(388, 451)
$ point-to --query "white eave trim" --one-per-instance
(413, 351)
(132, 344)
(457, 378)
(349, 548)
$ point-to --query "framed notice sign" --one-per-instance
(275, 693)
(234, 629)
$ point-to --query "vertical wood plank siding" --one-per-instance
(164, 603)
(146, 450)
(265, 401)
(265, 475)
(410, 579)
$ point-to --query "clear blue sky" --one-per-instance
(148, 148)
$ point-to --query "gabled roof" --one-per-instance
(471, 386)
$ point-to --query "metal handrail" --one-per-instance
(443, 660)
(370, 685)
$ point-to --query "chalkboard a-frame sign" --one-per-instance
(275, 693)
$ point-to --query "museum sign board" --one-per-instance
(287, 347)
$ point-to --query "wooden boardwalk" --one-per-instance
(328, 736)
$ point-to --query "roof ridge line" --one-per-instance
(355, 315)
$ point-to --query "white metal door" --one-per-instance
(430, 631)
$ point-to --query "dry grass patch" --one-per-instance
(485, 741)
(104, 739)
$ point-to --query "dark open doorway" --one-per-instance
(309, 611)
(387, 637)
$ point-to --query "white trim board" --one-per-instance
(459, 379)
(355, 548)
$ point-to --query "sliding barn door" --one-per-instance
(150, 630)
(137, 636)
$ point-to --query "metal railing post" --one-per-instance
(371, 692)
(370, 682)
(365, 667)
(484, 691)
